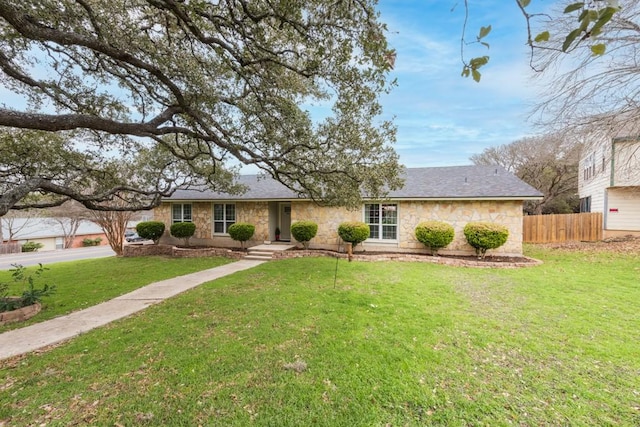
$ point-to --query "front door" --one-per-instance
(285, 221)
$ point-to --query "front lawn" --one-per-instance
(82, 284)
(289, 343)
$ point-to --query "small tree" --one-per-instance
(183, 230)
(68, 217)
(434, 235)
(354, 232)
(241, 231)
(150, 230)
(303, 231)
(114, 224)
(485, 235)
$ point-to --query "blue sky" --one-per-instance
(442, 118)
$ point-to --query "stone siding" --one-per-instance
(458, 214)
(256, 213)
(202, 216)
(328, 220)
(410, 214)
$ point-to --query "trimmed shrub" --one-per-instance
(151, 230)
(32, 247)
(183, 230)
(434, 235)
(91, 242)
(485, 235)
(303, 231)
(353, 232)
(241, 231)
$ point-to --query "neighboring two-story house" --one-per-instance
(609, 182)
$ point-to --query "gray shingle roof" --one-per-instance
(453, 182)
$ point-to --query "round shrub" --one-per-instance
(241, 231)
(485, 235)
(183, 230)
(354, 232)
(434, 234)
(303, 231)
(32, 247)
(151, 230)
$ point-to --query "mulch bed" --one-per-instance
(490, 261)
(629, 245)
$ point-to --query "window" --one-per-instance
(589, 168)
(224, 215)
(585, 204)
(382, 220)
(181, 212)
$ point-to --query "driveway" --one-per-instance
(50, 257)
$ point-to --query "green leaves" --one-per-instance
(570, 39)
(471, 69)
(598, 49)
(573, 7)
(212, 93)
(590, 25)
(484, 31)
(542, 37)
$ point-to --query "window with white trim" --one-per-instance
(181, 212)
(589, 167)
(224, 215)
(382, 220)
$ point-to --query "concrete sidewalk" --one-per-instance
(24, 340)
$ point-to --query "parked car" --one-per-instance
(132, 236)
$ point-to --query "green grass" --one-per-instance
(390, 344)
(85, 283)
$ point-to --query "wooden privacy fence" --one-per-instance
(562, 228)
(10, 248)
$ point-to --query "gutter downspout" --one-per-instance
(613, 162)
(605, 215)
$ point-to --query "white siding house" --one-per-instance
(609, 182)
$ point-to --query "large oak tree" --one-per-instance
(130, 98)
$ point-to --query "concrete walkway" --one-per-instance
(24, 340)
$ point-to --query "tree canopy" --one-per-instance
(547, 162)
(130, 98)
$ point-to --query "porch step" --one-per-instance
(265, 252)
(258, 257)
